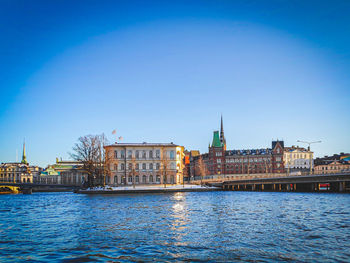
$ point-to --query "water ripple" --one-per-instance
(213, 226)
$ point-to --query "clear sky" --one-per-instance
(164, 71)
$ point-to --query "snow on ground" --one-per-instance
(148, 187)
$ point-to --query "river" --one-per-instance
(210, 226)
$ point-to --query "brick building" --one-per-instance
(220, 161)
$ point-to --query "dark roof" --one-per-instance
(249, 152)
(142, 144)
(275, 142)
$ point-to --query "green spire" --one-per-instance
(24, 158)
(216, 140)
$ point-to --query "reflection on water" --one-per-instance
(216, 226)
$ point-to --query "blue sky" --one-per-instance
(165, 71)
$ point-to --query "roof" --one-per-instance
(274, 143)
(216, 140)
(249, 152)
(143, 144)
(295, 148)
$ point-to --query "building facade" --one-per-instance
(298, 159)
(144, 163)
(64, 172)
(220, 161)
(19, 172)
(333, 164)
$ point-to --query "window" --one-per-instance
(115, 167)
(137, 154)
(137, 179)
(150, 154)
(115, 154)
(172, 166)
(122, 154)
(157, 154)
(144, 154)
(157, 166)
(151, 166)
(151, 179)
(144, 179)
(172, 155)
(130, 166)
(122, 167)
(136, 166)
(115, 179)
(130, 179)
(129, 154)
(143, 166)
(158, 179)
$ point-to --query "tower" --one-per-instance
(24, 158)
(222, 136)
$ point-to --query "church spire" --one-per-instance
(222, 136)
(24, 158)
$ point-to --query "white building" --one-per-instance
(297, 158)
(145, 163)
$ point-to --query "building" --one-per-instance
(19, 172)
(298, 159)
(333, 164)
(50, 176)
(146, 163)
(220, 161)
(72, 172)
(64, 172)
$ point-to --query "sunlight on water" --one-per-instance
(216, 226)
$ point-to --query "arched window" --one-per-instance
(137, 179)
(130, 179)
(144, 179)
(158, 179)
(151, 179)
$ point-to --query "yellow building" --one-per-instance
(18, 172)
(144, 163)
(297, 158)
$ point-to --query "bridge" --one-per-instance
(336, 182)
(27, 188)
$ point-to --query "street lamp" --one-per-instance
(308, 148)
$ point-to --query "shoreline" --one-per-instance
(149, 189)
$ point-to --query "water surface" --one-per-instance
(212, 226)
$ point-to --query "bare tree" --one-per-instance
(202, 168)
(89, 150)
